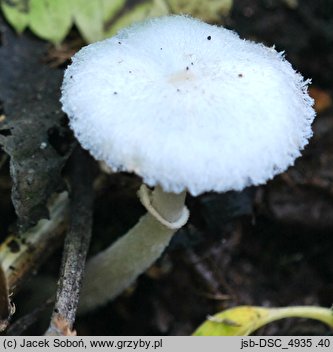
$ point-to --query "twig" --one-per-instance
(75, 247)
(203, 272)
(21, 255)
(7, 309)
(22, 324)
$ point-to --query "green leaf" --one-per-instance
(98, 19)
(16, 13)
(88, 17)
(50, 19)
(148, 9)
(111, 8)
(244, 320)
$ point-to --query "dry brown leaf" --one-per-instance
(322, 99)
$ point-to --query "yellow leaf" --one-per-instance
(244, 320)
(208, 10)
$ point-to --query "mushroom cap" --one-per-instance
(188, 106)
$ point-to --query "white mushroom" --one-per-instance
(188, 107)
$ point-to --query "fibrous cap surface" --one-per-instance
(188, 105)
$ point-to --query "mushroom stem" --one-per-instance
(114, 269)
(168, 205)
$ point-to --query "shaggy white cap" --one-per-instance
(188, 105)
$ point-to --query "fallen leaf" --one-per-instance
(244, 320)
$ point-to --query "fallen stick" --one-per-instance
(75, 247)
